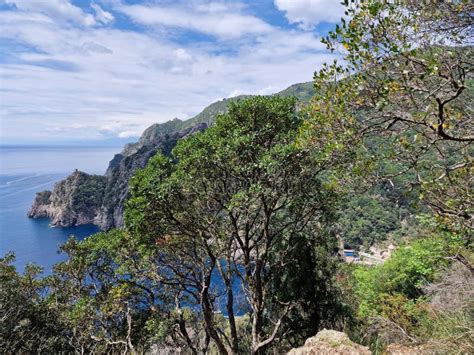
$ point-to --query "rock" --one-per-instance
(73, 201)
(330, 342)
(123, 166)
(41, 205)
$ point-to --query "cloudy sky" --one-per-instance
(94, 70)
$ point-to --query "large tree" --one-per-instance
(228, 212)
(405, 90)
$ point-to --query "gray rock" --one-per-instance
(73, 201)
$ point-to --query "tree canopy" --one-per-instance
(229, 243)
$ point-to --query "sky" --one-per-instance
(104, 70)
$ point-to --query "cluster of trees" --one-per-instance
(405, 92)
(230, 242)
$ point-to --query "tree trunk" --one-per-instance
(209, 316)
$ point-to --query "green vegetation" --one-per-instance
(411, 267)
(393, 303)
(89, 192)
(303, 92)
(367, 219)
(240, 201)
(230, 242)
(400, 104)
(27, 322)
(410, 76)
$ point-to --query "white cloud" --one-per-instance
(57, 9)
(128, 134)
(237, 92)
(101, 15)
(309, 13)
(182, 55)
(95, 82)
(213, 19)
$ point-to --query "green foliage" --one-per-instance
(241, 218)
(27, 323)
(303, 92)
(401, 277)
(305, 282)
(367, 219)
(89, 192)
(406, 81)
(401, 102)
(396, 302)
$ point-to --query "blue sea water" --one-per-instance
(27, 170)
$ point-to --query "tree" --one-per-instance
(27, 324)
(404, 91)
(400, 102)
(228, 212)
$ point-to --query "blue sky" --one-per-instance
(95, 70)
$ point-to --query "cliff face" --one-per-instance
(82, 198)
(74, 200)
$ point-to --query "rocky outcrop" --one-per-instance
(41, 205)
(73, 201)
(330, 342)
(82, 198)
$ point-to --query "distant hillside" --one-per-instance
(304, 91)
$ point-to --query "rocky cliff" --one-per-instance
(123, 165)
(82, 198)
(74, 200)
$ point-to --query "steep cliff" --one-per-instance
(83, 198)
(123, 165)
(74, 200)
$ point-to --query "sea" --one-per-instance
(25, 170)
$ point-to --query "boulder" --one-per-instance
(330, 342)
